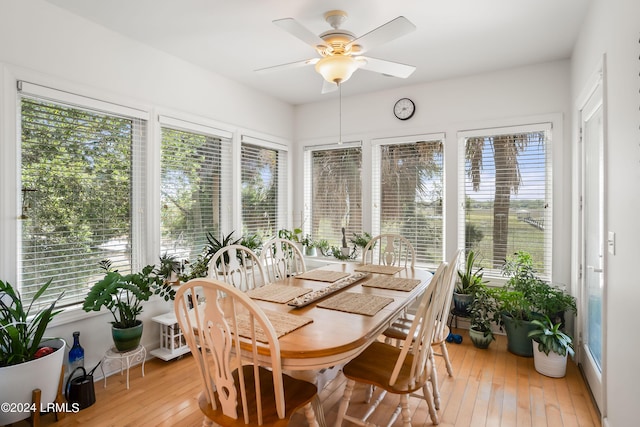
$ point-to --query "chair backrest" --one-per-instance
(281, 258)
(418, 340)
(389, 249)
(448, 285)
(211, 330)
(237, 265)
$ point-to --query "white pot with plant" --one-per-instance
(28, 360)
(551, 347)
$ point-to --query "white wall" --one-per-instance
(44, 44)
(503, 98)
(612, 29)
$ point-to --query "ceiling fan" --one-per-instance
(341, 51)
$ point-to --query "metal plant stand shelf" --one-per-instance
(126, 358)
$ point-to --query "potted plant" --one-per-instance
(28, 360)
(169, 268)
(214, 245)
(553, 345)
(360, 241)
(123, 297)
(468, 280)
(481, 311)
(309, 246)
(252, 242)
(324, 247)
(525, 298)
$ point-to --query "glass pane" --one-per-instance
(593, 235)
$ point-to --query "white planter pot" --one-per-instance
(19, 381)
(552, 365)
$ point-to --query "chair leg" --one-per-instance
(310, 414)
(344, 404)
(434, 383)
(428, 396)
(406, 414)
(445, 354)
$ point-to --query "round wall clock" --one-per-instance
(404, 109)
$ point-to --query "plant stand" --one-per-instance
(126, 358)
(172, 341)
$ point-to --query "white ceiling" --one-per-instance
(453, 38)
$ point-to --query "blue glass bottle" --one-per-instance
(76, 354)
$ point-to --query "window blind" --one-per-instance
(506, 194)
(264, 184)
(195, 186)
(333, 193)
(408, 194)
(77, 192)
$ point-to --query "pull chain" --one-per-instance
(339, 113)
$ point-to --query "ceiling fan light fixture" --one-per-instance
(337, 69)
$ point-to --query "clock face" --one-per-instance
(404, 109)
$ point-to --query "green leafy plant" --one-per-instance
(21, 331)
(324, 247)
(294, 235)
(482, 310)
(123, 295)
(252, 242)
(550, 338)
(469, 280)
(337, 253)
(169, 264)
(360, 240)
(214, 245)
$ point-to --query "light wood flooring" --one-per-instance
(489, 388)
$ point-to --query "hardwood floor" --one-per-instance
(489, 388)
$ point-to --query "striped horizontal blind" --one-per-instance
(333, 193)
(195, 182)
(264, 182)
(408, 194)
(507, 194)
(77, 191)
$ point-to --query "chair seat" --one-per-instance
(297, 393)
(375, 365)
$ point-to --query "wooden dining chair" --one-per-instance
(389, 249)
(239, 266)
(398, 331)
(401, 369)
(281, 258)
(240, 387)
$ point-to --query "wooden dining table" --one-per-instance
(334, 337)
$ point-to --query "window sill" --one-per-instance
(73, 314)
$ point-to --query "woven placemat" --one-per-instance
(283, 323)
(356, 303)
(275, 292)
(323, 275)
(395, 283)
(381, 269)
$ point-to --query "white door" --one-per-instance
(593, 244)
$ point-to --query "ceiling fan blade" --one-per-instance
(328, 87)
(385, 33)
(301, 32)
(388, 68)
(288, 65)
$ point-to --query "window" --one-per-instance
(78, 190)
(333, 192)
(264, 183)
(506, 190)
(195, 186)
(408, 193)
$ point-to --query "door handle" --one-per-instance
(595, 270)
